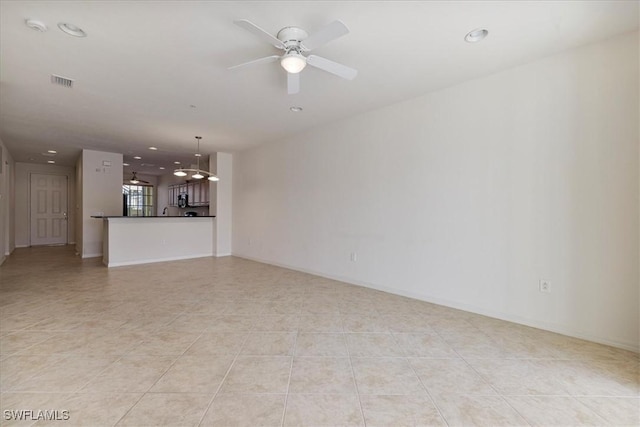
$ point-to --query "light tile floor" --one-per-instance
(230, 342)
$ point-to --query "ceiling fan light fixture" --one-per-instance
(293, 62)
(197, 175)
(179, 172)
(213, 178)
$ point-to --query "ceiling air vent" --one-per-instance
(62, 81)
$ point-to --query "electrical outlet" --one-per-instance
(354, 257)
(545, 286)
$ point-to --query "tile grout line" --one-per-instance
(433, 401)
(163, 374)
(498, 393)
(224, 378)
(286, 396)
(353, 373)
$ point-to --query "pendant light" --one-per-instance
(197, 173)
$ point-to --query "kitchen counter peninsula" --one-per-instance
(129, 240)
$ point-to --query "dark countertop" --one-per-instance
(154, 216)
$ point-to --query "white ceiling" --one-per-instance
(143, 64)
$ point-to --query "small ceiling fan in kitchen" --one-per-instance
(135, 180)
(296, 42)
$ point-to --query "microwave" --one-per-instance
(183, 200)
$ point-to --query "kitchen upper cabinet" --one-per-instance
(204, 192)
(191, 195)
(196, 191)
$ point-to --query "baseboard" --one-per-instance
(154, 260)
(91, 255)
(2, 260)
(223, 254)
(559, 329)
(22, 246)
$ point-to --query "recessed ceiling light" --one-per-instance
(176, 163)
(295, 109)
(153, 148)
(36, 25)
(198, 155)
(71, 29)
(476, 35)
(51, 161)
(125, 164)
(52, 151)
(137, 157)
(162, 167)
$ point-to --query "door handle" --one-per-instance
(65, 216)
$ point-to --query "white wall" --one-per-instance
(223, 203)
(469, 195)
(101, 195)
(23, 199)
(7, 202)
(78, 205)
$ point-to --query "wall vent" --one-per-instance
(62, 81)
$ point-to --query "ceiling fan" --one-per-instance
(135, 180)
(295, 42)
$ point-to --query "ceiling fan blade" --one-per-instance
(134, 177)
(325, 35)
(253, 28)
(293, 83)
(332, 67)
(264, 60)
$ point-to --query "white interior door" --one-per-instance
(49, 219)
